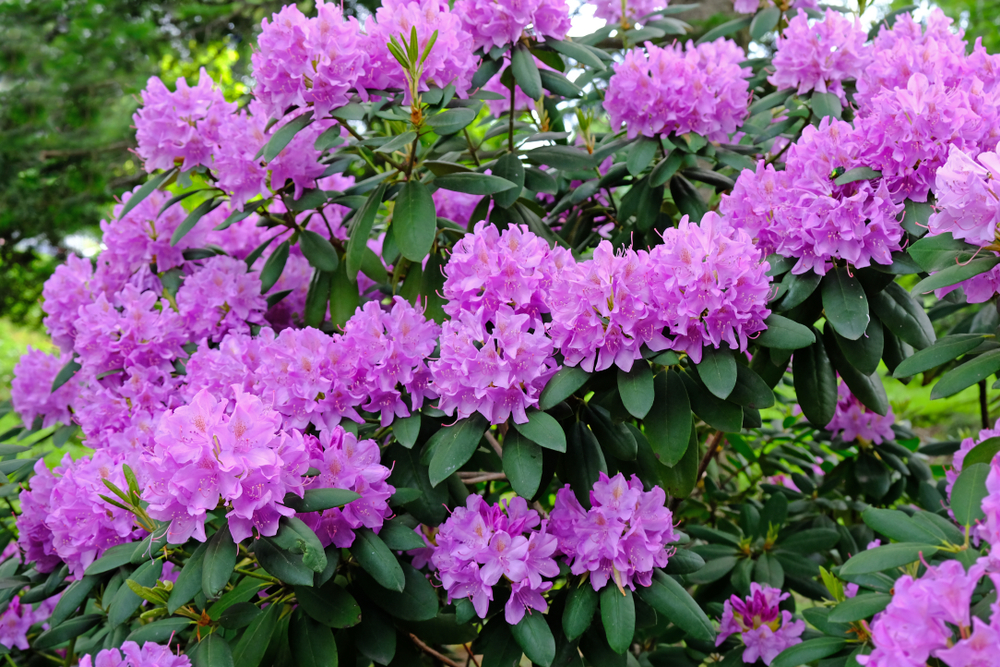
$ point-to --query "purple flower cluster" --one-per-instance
(800, 212)
(968, 197)
(495, 353)
(17, 620)
(765, 629)
(988, 528)
(751, 6)
(480, 544)
(676, 90)
(31, 390)
(450, 59)
(852, 420)
(180, 127)
(312, 62)
(222, 297)
(345, 462)
(495, 23)
(967, 445)
(918, 623)
(131, 655)
(202, 456)
(820, 56)
(621, 538)
(626, 13)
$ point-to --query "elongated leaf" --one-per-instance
(319, 251)
(212, 651)
(284, 135)
(473, 183)
(717, 369)
(785, 334)
(580, 608)
(126, 602)
(71, 599)
(865, 353)
(815, 384)
(808, 651)
(668, 425)
(665, 169)
(845, 304)
(751, 390)
(399, 536)
(250, 649)
(274, 266)
(65, 374)
(826, 104)
(727, 28)
(955, 274)
(579, 52)
(764, 22)
(566, 158)
(147, 188)
(330, 605)
(859, 608)
(811, 540)
(941, 352)
(317, 500)
(189, 581)
(68, 630)
(968, 493)
(669, 598)
(636, 389)
(984, 452)
(525, 71)
(417, 602)
(360, 231)
(941, 251)
(312, 644)
(158, 631)
(452, 446)
(584, 461)
(541, 428)
(969, 373)
(510, 168)
(414, 221)
(111, 559)
(640, 154)
(561, 386)
(719, 414)
(535, 639)
(557, 84)
(522, 463)
(886, 557)
(898, 526)
(451, 121)
(192, 219)
(377, 560)
(869, 389)
(618, 617)
(857, 174)
(220, 559)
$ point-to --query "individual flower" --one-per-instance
(312, 62)
(765, 629)
(31, 390)
(821, 55)
(676, 90)
(853, 420)
(977, 650)
(708, 285)
(481, 544)
(203, 456)
(495, 23)
(221, 296)
(176, 128)
(450, 59)
(802, 214)
(967, 197)
(131, 655)
(344, 462)
(621, 538)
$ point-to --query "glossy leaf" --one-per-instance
(377, 560)
(968, 492)
(525, 71)
(535, 639)
(361, 230)
(212, 651)
(220, 559)
(886, 557)
(941, 352)
(319, 251)
(669, 598)
(580, 607)
(668, 424)
(542, 429)
(453, 445)
(522, 463)
(844, 303)
(967, 374)
(618, 617)
(284, 135)
(414, 221)
(636, 389)
(473, 183)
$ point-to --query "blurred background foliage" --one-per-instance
(70, 76)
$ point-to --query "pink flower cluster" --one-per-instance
(968, 197)
(450, 60)
(765, 629)
(801, 213)
(222, 297)
(202, 456)
(621, 538)
(627, 12)
(852, 420)
(918, 623)
(495, 23)
(344, 462)
(676, 90)
(31, 389)
(480, 544)
(311, 62)
(17, 620)
(751, 6)
(820, 56)
(131, 655)
(495, 354)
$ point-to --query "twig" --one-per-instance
(476, 478)
(472, 149)
(472, 656)
(714, 444)
(494, 444)
(431, 652)
(354, 133)
(510, 130)
(984, 406)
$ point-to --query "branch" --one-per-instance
(431, 652)
(714, 444)
(490, 438)
(477, 477)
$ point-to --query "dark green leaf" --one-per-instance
(684, 561)
(767, 570)
(764, 22)
(317, 500)
(719, 414)
(618, 616)
(727, 28)
(669, 598)
(74, 627)
(284, 135)
(859, 608)
(220, 559)
(636, 389)
(580, 607)
(640, 154)
(941, 251)
(717, 369)
(240, 615)
(414, 221)
(968, 493)
(967, 374)
(811, 540)
(453, 445)
(953, 275)
(250, 649)
(857, 174)
(282, 563)
(785, 334)
(898, 526)
(808, 651)
(147, 188)
(865, 353)
(666, 168)
(825, 104)
(525, 71)
(126, 602)
(357, 244)
(566, 158)
(406, 429)
(330, 605)
(886, 557)
(679, 480)
(158, 631)
(668, 425)
(312, 644)
(65, 374)
(686, 198)
(473, 183)
(320, 252)
(400, 537)
(71, 599)
(192, 219)
(451, 121)
(375, 637)
(501, 649)
(212, 651)
(273, 267)
(944, 350)
(509, 167)
(751, 391)
(869, 389)
(984, 452)
(113, 558)
(376, 559)
(522, 463)
(614, 437)
(844, 303)
(417, 602)
(541, 428)
(557, 84)
(298, 538)
(535, 639)
(581, 53)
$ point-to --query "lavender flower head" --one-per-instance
(765, 630)
(221, 297)
(69, 287)
(311, 62)
(628, 12)
(495, 23)
(621, 538)
(820, 56)
(17, 620)
(31, 390)
(675, 90)
(852, 420)
(131, 655)
(480, 544)
(968, 197)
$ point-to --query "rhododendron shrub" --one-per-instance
(461, 341)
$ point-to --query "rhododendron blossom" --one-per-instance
(765, 629)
